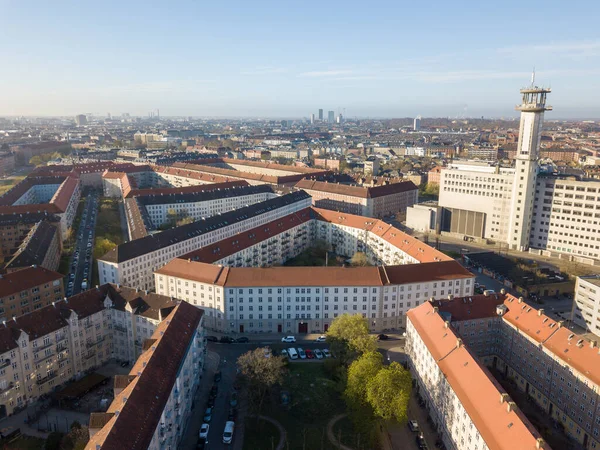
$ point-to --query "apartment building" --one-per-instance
(41, 247)
(468, 407)
(29, 289)
(586, 304)
(201, 204)
(133, 262)
(370, 201)
(553, 366)
(219, 277)
(55, 344)
(162, 384)
(14, 229)
(57, 195)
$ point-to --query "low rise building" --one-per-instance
(370, 201)
(41, 247)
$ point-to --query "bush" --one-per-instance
(53, 441)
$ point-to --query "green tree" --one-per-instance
(261, 374)
(388, 392)
(348, 335)
(103, 246)
(360, 372)
(359, 259)
(36, 161)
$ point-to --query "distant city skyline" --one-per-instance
(269, 59)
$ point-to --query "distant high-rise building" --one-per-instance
(80, 120)
(321, 114)
(339, 118)
(417, 124)
(331, 116)
(312, 118)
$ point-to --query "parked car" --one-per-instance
(211, 402)
(234, 401)
(309, 353)
(321, 338)
(226, 340)
(318, 353)
(242, 340)
(301, 353)
(232, 414)
(421, 443)
(228, 432)
(201, 444)
(208, 415)
(204, 431)
(413, 425)
(288, 339)
(382, 337)
(284, 352)
(214, 390)
(218, 376)
(212, 338)
(326, 353)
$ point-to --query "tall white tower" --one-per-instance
(526, 164)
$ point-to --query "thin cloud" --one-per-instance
(264, 71)
(567, 48)
(326, 73)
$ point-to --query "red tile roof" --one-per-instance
(26, 278)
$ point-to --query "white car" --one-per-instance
(318, 353)
(288, 339)
(326, 353)
(321, 338)
(204, 431)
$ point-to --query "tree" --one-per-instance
(359, 259)
(360, 372)
(103, 246)
(261, 374)
(388, 392)
(76, 439)
(348, 335)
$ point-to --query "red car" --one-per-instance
(309, 353)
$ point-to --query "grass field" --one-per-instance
(261, 435)
(8, 183)
(25, 443)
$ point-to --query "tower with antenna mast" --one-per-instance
(532, 107)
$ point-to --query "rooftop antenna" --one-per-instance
(533, 77)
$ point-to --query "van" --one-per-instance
(228, 432)
(292, 353)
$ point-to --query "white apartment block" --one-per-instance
(134, 262)
(586, 305)
(55, 344)
(465, 403)
(153, 404)
(250, 295)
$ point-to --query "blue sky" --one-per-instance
(287, 59)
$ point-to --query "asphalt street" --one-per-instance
(80, 263)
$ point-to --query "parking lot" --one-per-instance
(80, 264)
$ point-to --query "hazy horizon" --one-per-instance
(268, 59)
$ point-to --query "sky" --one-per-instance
(286, 58)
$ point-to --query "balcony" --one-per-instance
(91, 344)
(44, 358)
(5, 363)
(44, 346)
(47, 378)
(8, 387)
(88, 325)
(120, 328)
(90, 355)
(61, 347)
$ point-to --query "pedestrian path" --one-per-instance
(331, 434)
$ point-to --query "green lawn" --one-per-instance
(314, 400)
(260, 436)
(25, 443)
(8, 183)
(344, 431)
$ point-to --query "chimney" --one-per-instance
(459, 343)
(450, 296)
(511, 406)
(593, 344)
(54, 304)
(540, 311)
(520, 299)
(435, 309)
(540, 443)
(118, 285)
(503, 291)
(504, 397)
(446, 324)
